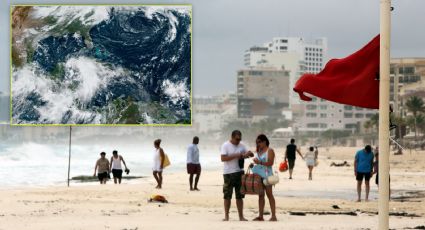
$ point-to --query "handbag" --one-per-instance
(166, 161)
(283, 167)
(252, 184)
(272, 179)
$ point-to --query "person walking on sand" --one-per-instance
(233, 153)
(290, 156)
(158, 163)
(264, 167)
(115, 166)
(102, 168)
(310, 160)
(363, 164)
(193, 164)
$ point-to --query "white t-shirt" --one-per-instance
(192, 154)
(310, 155)
(228, 149)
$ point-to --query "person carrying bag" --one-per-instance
(264, 168)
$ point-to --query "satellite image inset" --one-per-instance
(101, 65)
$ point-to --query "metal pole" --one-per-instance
(69, 154)
(384, 112)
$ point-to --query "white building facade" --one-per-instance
(299, 56)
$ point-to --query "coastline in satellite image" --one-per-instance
(101, 65)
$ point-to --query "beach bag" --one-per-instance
(264, 173)
(283, 166)
(316, 163)
(166, 161)
(252, 184)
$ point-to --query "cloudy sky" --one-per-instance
(223, 29)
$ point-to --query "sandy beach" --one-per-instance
(326, 202)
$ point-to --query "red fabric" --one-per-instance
(350, 80)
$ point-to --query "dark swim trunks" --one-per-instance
(232, 180)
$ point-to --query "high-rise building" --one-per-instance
(299, 56)
(262, 92)
(294, 54)
(407, 75)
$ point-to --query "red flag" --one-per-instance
(351, 80)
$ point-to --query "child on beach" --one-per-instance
(310, 159)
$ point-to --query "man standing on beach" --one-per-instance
(193, 164)
(233, 153)
(290, 156)
(102, 167)
(363, 165)
(115, 166)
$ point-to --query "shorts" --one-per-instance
(102, 176)
(360, 176)
(232, 180)
(291, 163)
(193, 168)
(117, 173)
(310, 162)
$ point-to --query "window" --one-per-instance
(283, 48)
(323, 125)
(323, 115)
(409, 70)
(351, 126)
(313, 125)
(359, 115)
(284, 41)
(369, 115)
(348, 115)
(311, 107)
(311, 115)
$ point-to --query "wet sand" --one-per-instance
(327, 202)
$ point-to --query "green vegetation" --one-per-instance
(58, 73)
(74, 85)
(75, 26)
(16, 60)
(416, 106)
(50, 20)
(131, 115)
(124, 111)
(30, 50)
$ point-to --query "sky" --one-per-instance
(224, 29)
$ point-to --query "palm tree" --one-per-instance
(420, 123)
(400, 122)
(415, 105)
(367, 125)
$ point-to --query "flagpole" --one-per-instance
(69, 153)
(384, 112)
